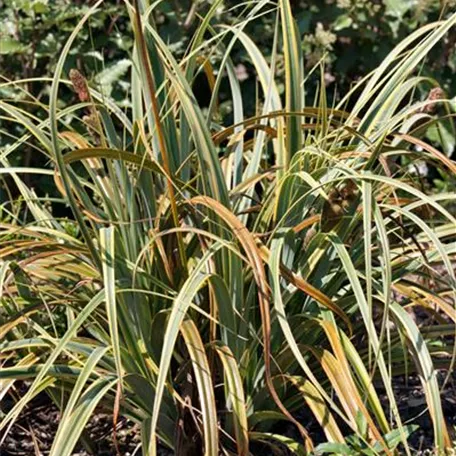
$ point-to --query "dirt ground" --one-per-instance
(32, 434)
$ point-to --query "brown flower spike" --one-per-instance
(79, 84)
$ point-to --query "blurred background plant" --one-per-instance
(354, 36)
(350, 36)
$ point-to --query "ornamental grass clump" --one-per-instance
(219, 275)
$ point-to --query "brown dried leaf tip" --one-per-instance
(79, 84)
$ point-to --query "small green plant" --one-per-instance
(354, 445)
(217, 274)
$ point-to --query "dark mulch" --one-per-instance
(32, 434)
(412, 407)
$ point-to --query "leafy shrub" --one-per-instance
(352, 36)
(217, 280)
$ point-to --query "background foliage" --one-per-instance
(351, 37)
(354, 36)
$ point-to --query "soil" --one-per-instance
(412, 407)
(32, 434)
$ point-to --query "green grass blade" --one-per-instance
(64, 429)
(428, 375)
(236, 397)
(204, 385)
(53, 100)
(293, 80)
(107, 243)
(181, 304)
